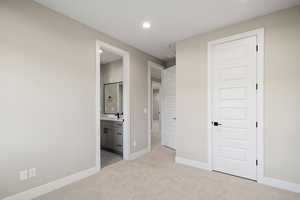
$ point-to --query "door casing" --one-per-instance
(126, 99)
(259, 33)
(152, 65)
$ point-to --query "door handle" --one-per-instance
(174, 118)
(216, 124)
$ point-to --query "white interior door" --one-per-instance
(169, 107)
(234, 107)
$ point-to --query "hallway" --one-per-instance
(156, 134)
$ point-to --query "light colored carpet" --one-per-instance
(155, 176)
(109, 158)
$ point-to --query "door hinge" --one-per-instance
(256, 162)
(256, 86)
(257, 48)
(256, 124)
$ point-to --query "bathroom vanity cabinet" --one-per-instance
(112, 136)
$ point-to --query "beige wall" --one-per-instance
(47, 100)
(112, 72)
(281, 98)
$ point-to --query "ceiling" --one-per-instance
(172, 20)
(107, 57)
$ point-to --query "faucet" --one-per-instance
(118, 115)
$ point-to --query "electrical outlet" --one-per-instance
(23, 175)
(31, 172)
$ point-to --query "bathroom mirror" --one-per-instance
(113, 101)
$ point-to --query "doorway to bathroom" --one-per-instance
(112, 118)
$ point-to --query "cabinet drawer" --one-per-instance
(118, 124)
(105, 123)
(118, 142)
(107, 139)
(106, 135)
(118, 139)
(118, 148)
(118, 131)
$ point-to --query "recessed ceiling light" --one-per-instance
(146, 25)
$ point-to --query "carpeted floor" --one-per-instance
(155, 176)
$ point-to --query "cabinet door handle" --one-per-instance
(119, 133)
(216, 124)
(119, 145)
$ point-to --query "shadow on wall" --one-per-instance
(170, 62)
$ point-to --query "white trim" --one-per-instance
(138, 154)
(293, 187)
(192, 163)
(126, 100)
(98, 108)
(126, 107)
(260, 104)
(209, 108)
(54, 185)
(149, 106)
(259, 33)
(159, 67)
(162, 109)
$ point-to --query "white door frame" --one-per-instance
(259, 33)
(159, 67)
(126, 99)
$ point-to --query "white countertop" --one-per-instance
(111, 118)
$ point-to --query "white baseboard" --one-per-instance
(135, 155)
(46, 188)
(293, 187)
(192, 163)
